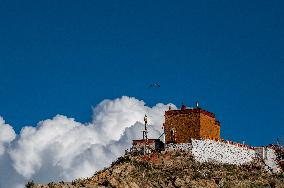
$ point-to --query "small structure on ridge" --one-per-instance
(152, 145)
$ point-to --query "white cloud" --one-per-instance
(64, 149)
(7, 135)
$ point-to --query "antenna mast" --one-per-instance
(145, 137)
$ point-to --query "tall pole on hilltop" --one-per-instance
(145, 137)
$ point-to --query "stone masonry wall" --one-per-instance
(271, 161)
(207, 150)
(187, 147)
(185, 127)
(182, 125)
(209, 127)
(210, 150)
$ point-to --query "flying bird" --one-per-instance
(155, 85)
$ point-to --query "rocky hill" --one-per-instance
(174, 169)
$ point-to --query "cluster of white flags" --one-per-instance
(64, 149)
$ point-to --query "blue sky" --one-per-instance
(62, 57)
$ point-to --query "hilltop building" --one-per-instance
(197, 131)
(182, 125)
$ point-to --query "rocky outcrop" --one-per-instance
(175, 169)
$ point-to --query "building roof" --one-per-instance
(149, 140)
(188, 111)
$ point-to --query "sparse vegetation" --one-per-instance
(51, 185)
(30, 184)
(174, 169)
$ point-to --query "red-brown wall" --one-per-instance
(190, 123)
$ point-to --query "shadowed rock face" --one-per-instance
(174, 169)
